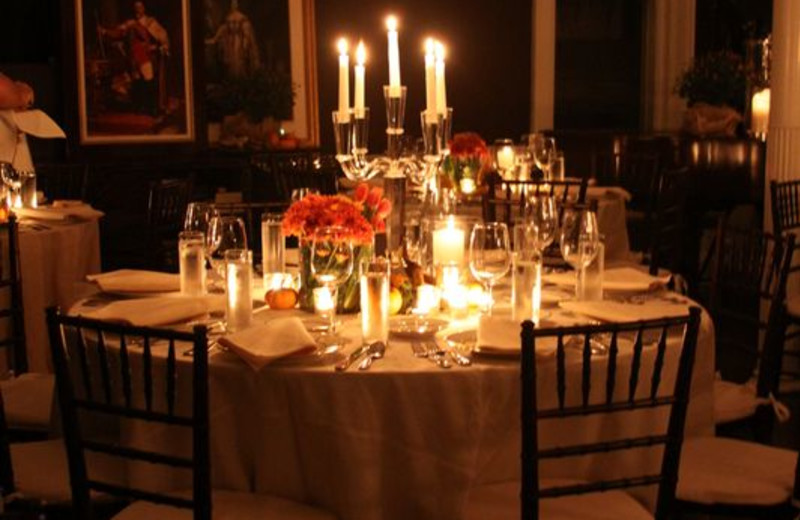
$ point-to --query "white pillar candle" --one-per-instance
(394, 57)
(430, 76)
(441, 90)
(760, 105)
(344, 81)
(448, 244)
(505, 158)
(361, 57)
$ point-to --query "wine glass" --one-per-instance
(489, 255)
(331, 264)
(543, 149)
(542, 217)
(580, 242)
(224, 233)
(198, 216)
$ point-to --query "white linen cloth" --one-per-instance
(619, 311)
(14, 125)
(360, 443)
(136, 281)
(623, 278)
(54, 261)
(264, 343)
(596, 192)
(153, 312)
(82, 211)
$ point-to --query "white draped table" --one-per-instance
(54, 256)
(405, 439)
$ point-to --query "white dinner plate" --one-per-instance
(466, 340)
(413, 327)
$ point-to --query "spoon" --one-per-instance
(376, 351)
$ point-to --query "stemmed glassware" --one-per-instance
(331, 264)
(489, 255)
(224, 233)
(580, 242)
(543, 149)
(542, 217)
(198, 216)
(12, 178)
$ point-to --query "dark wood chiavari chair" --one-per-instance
(785, 203)
(166, 207)
(95, 373)
(627, 390)
(504, 200)
(667, 246)
(276, 174)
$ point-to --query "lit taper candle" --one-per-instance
(361, 58)
(441, 91)
(430, 76)
(344, 81)
(394, 57)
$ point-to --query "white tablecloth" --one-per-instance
(403, 440)
(53, 257)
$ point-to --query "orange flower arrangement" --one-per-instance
(361, 217)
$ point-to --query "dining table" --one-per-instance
(405, 438)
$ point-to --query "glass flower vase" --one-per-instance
(348, 294)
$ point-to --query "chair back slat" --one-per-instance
(110, 349)
(513, 196)
(785, 198)
(105, 370)
(636, 366)
(86, 375)
(562, 372)
(683, 341)
(125, 368)
(611, 376)
(12, 341)
(147, 374)
(655, 381)
(586, 380)
(172, 377)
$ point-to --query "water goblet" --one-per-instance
(542, 216)
(198, 216)
(489, 255)
(543, 149)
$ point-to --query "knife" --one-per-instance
(352, 358)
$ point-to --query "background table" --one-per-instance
(54, 256)
(403, 440)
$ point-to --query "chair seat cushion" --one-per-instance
(501, 501)
(28, 400)
(229, 505)
(733, 401)
(41, 471)
(720, 471)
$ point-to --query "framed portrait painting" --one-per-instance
(260, 63)
(134, 71)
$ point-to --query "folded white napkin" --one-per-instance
(264, 343)
(501, 335)
(619, 312)
(614, 279)
(153, 312)
(61, 212)
(136, 281)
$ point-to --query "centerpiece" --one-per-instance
(467, 163)
(361, 217)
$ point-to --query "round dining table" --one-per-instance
(404, 439)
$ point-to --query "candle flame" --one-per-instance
(361, 53)
(391, 23)
(440, 51)
(430, 45)
(342, 46)
(451, 222)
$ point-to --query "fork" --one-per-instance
(437, 355)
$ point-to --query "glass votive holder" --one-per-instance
(374, 279)
(273, 246)
(591, 288)
(325, 303)
(238, 283)
(427, 299)
(192, 262)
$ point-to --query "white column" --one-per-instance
(783, 138)
(543, 64)
(670, 48)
